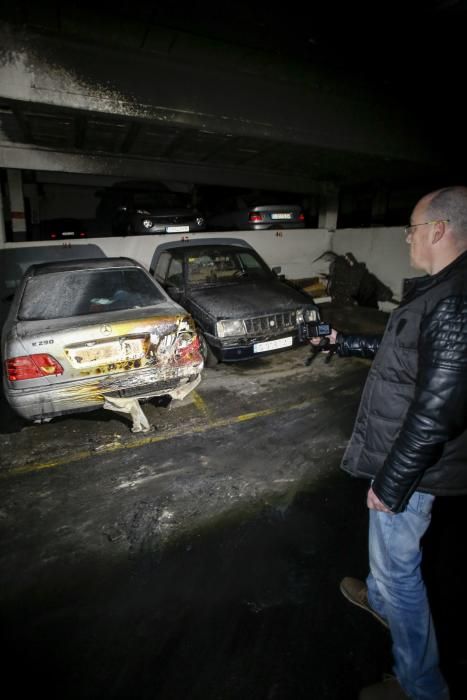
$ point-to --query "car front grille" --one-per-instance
(274, 323)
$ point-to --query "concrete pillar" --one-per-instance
(329, 207)
(310, 203)
(17, 208)
(2, 220)
(32, 195)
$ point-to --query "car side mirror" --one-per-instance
(174, 292)
(277, 270)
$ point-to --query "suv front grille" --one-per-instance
(173, 220)
(274, 323)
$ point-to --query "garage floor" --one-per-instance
(202, 560)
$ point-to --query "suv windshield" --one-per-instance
(160, 200)
(216, 265)
(80, 292)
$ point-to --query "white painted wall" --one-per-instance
(384, 250)
(295, 250)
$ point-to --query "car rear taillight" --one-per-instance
(53, 235)
(32, 367)
(301, 216)
(187, 348)
(82, 234)
(255, 216)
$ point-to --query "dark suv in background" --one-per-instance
(133, 208)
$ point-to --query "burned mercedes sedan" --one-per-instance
(85, 334)
(242, 308)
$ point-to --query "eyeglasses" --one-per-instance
(425, 223)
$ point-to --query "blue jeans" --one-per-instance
(397, 592)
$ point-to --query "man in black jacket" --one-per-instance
(410, 438)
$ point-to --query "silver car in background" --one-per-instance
(80, 332)
(255, 212)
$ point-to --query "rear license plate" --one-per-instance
(282, 215)
(177, 229)
(68, 233)
(273, 344)
(115, 351)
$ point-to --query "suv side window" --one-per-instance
(160, 273)
(175, 270)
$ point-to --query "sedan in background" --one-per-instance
(253, 211)
(80, 332)
(241, 307)
(62, 229)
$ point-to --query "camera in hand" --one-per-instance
(320, 329)
(314, 329)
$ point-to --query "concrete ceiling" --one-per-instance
(398, 64)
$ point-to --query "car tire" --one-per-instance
(209, 357)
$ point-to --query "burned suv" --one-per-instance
(241, 307)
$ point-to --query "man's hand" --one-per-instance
(332, 338)
(374, 503)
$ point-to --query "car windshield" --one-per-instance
(160, 200)
(81, 292)
(220, 266)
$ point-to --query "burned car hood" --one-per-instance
(249, 298)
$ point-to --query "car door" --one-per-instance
(170, 272)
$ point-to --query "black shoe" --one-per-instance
(356, 592)
(388, 689)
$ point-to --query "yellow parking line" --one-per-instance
(150, 439)
(202, 406)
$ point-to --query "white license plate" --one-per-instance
(273, 344)
(177, 229)
(114, 351)
(68, 233)
(282, 215)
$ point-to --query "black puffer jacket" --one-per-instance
(411, 428)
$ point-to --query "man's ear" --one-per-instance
(438, 232)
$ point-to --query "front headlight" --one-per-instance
(228, 328)
(306, 315)
(200, 221)
(147, 223)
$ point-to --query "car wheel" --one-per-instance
(209, 357)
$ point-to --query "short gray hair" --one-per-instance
(451, 203)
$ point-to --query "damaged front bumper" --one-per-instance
(235, 349)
